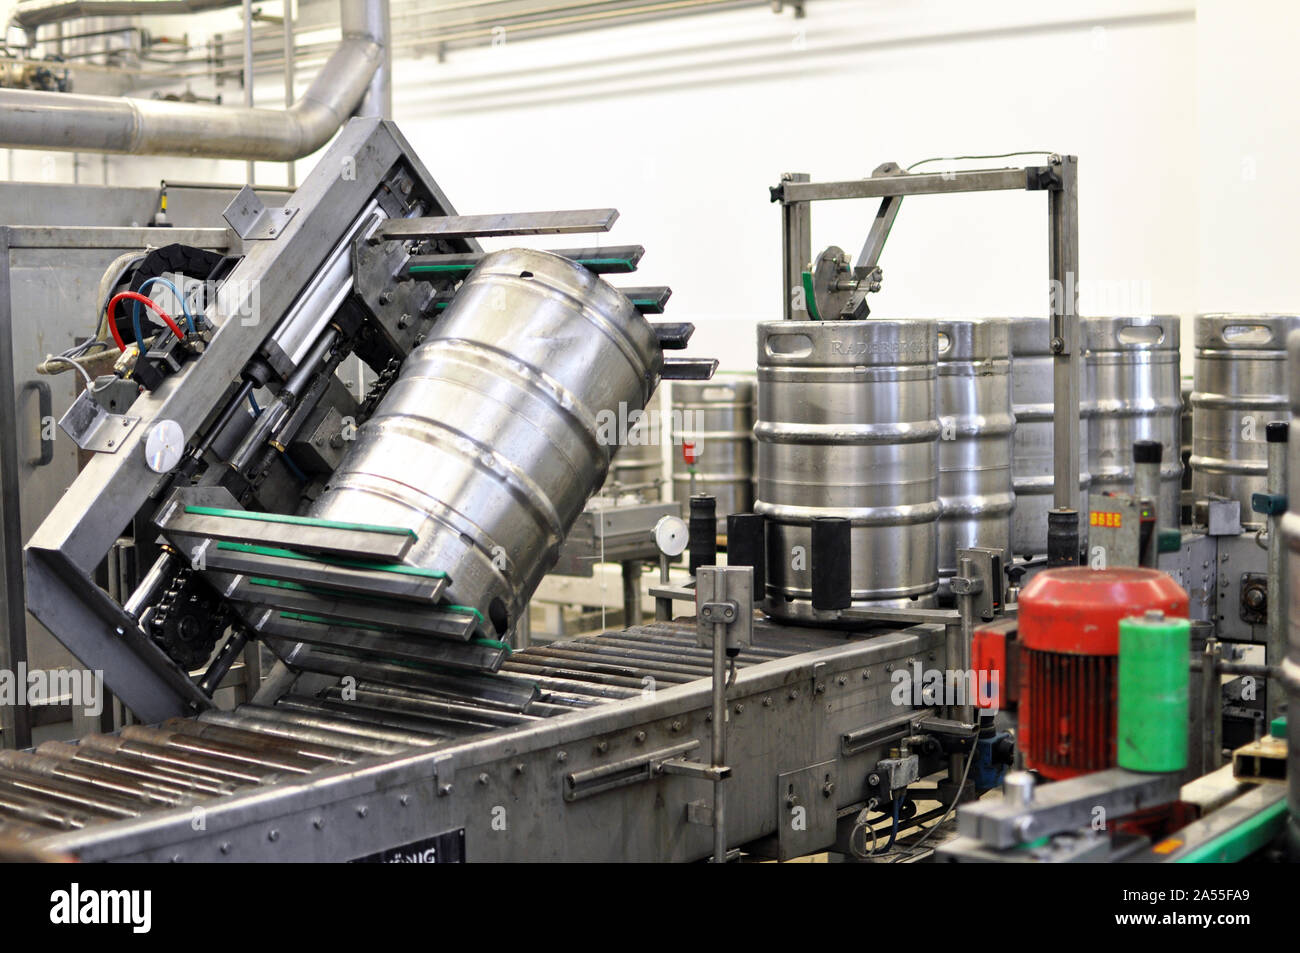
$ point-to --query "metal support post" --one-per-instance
(1063, 222)
(1211, 708)
(1275, 504)
(663, 606)
(248, 73)
(796, 252)
(724, 605)
(632, 592)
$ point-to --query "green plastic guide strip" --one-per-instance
(370, 627)
(458, 268)
(400, 568)
(298, 521)
(1241, 841)
(315, 590)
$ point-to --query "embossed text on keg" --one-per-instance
(875, 347)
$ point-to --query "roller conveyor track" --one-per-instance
(102, 779)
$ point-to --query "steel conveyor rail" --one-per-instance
(557, 742)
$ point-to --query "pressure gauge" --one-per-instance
(671, 535)
(164, 446)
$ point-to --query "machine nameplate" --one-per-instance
(445, 848)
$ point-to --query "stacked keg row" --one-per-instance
(1239, 387)
(933, 436)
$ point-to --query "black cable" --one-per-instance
(915, 848)
(103, 308)
(999, 155)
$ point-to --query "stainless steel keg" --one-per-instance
(1133, 392)
(716, 418)
(1240, 386)
(847, 428)
(1033, 467)
(976, 424)
(500, 426)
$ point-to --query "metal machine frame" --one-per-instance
(35, 467)
(1059, 179)
(65, 552)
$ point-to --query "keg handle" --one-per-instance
(1246, 334)
(1141, 335)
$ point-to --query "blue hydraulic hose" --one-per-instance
(135, 310)
(893, 831)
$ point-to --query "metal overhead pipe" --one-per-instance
(30, 14)
(374, 22)
(355, 78)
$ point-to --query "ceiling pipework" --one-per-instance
(354, 81)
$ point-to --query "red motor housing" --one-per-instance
(1069, 654)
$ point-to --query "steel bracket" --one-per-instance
(252, 220)
(617, 774)
(93, 428)
(806, 810)
(724, 595)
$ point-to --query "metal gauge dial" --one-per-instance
(671, 535)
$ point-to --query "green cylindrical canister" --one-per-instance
(1153, 677)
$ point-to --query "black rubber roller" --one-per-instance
(832, 563)
(1063, 537)
(1147, 451)
(703, 532)
(747, 546)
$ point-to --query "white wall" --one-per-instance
(684, 125)
(1248, 84)
(1180, 112)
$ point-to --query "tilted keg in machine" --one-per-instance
(716, 419)
(1240, 387)
(491, 478)
(1132, 392)
(847, 428)
(1032, 467)
(975, 439)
